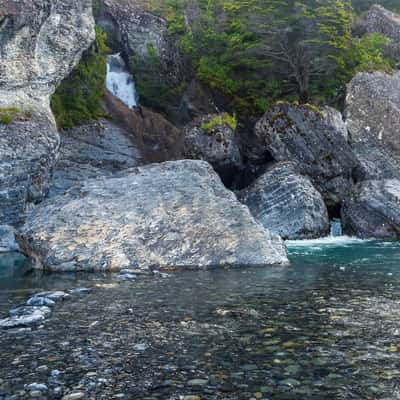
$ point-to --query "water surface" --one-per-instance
(328, 327)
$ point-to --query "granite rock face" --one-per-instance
(90, 151)
(373, 210)
(373, 120)
(287, 203)
(218, 145)
(133, 30)
(40, 43)
(305, 136)
(28, 152)
(174, 214)
(8, 243)
(386, 23)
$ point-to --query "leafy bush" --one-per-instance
(79, 97)
(152, 86)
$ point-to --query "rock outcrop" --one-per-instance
(211, 139)
(133, 30)
(91, 151)
(28, 152)
(287, 203)
(304, 135)
(373, 210)
(40, 43)
(175, 214)
(386, 23)
(156, 138)
(373, 120)
(8, 243)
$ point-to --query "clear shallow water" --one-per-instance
(326, 328)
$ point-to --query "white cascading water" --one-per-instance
(120, 82)
(336, 228)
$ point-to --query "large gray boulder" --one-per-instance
(40, 43)
(373, 210)
(174, 214)
(93, 150)
(287, 203)
(303, 134)
(373, 120)
(387, 23)
(210, 138)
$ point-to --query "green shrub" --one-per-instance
(152, 84)
(79, 97)
(220, 120)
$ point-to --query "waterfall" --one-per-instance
(120, 82)
(336, 228)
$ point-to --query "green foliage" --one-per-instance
(79, 97)
(11, 114)
(220, 120)
(257, 51)
(153, 88)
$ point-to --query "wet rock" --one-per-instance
(74, 396)
(162, 215)
(41, 387)
(40, 301)
(373, 120)
(304, 135)
(56, 295)
(287, 203)
(82, 290)
(372, 211)
(197, 382)
(217, 145)
(40, 43)
(92, 150)
(24, 316)
(8, 243)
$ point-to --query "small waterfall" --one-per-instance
(120, 82)
(336, 228)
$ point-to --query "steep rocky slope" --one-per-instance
(40, 43)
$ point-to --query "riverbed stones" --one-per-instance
(372, 210)
(373, 120)
(174, 214)
(287, 203)
(303, 134)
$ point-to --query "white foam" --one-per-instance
(120, 82)
(320, 243)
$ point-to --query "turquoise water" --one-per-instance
(326, 328)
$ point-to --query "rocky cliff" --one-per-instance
(40, 42)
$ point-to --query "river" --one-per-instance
(325, 328)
